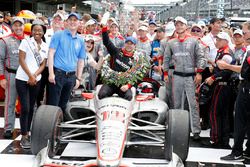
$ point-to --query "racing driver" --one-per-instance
(121, 61)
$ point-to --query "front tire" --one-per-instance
(177, 134)
(45, 127)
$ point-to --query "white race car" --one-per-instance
(112, 124)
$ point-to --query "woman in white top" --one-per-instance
(32, 58)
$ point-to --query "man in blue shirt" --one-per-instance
(66, 60)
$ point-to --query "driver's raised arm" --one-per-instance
(107, 43)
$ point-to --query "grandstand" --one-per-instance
(204, 9)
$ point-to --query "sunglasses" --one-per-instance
(1, 17)
(195, 30)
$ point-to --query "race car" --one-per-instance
(113, 125)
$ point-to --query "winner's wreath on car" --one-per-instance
(132, 76)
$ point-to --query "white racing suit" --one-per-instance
(186, 55)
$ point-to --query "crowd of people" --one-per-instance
(204, 66)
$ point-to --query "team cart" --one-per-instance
(112, 126)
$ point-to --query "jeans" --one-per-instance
(44, 86)
(27, 95)
(59, 93)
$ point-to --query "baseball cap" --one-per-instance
(152, 22)
(115, 23)
(89, 37)
(17, 19)
(143, 28)
(197, 25)
(73, 14)
(131, 39)
(160, 29)
(238, 31)
(201, 23)
(38, 22)
(111, 19)
(90, 22)
(224, 35)
(180, 19)
(170, 29)
(58, 14)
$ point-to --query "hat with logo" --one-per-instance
(224, 35)
(90, 22)
(17, 19)
(131, 39)
(89, 37)
(152, 22)
(143, 28)
(238, 31)
(180, 19)
(73, 14)
(197, 25)
(58, 14)
(114, 23)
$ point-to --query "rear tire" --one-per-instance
(45, 127)
(177, 134)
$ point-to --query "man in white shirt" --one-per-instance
(57, 25)
(210, 39)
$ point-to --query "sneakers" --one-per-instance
(25, 142)
(196, 136)
(8, 134)
(233, 157)
(210, 144)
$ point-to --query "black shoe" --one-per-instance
(210, 144)
(25, 142)
(226, 146)
(233, 157)
(204, 126)
(196, 136)
(8, 134)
